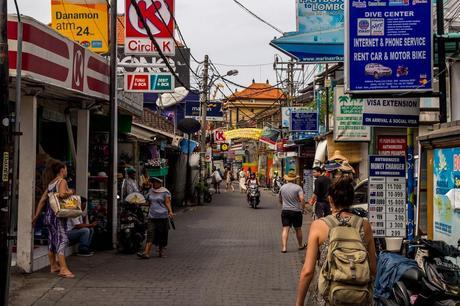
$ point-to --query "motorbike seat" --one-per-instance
(412, 275)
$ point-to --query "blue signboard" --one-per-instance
(193, 110)
(389, 45)
(319, 36)
(387, 166)
(304, 121)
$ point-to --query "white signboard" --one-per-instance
(392, 112)
(286, 114)
(348, 118)
(387, 196)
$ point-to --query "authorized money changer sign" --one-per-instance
(286, 114)
(387, 195)
(305, 121)
(392, 112)
(83, 21)
(348, 114)
(158, 15)
(149, 82)
(388, 46)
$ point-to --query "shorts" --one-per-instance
(322, 209)
(291, 218)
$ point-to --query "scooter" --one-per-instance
(132, 229)
(253, 196)
(277, 183)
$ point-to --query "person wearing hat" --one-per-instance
(291, 197)
(129, 184)
(320, 194)
(159, 213)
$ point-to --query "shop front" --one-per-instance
(61, 84)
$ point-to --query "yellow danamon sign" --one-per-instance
(243, 133)
(83, 21)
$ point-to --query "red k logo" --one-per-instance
(153, 12)
(78, 68)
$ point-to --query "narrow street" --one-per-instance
(221, 254)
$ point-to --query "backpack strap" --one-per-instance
(356, 222)
(331, 221)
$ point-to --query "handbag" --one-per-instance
(65, 208)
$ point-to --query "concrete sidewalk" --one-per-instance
(224, 253)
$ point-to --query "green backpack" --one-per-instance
(345, 275)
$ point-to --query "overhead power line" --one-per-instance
(259, 18)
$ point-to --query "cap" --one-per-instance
(155, 179)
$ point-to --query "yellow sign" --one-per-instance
(83, 21)
(243, 133)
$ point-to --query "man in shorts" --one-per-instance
(292, 199)
(322, 184)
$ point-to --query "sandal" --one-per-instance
(303, 247)
(67, 275)
(285, 251)
(142, 256)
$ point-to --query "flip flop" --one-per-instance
(142, 256)
(67, 275)
(284, 251)
(303, 247)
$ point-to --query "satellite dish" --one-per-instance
(172, 98)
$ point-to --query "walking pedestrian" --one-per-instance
(242, 180)
(291, 197)
(55, 175)
(160, 212)
(320, 194)
(341, 196)
(229, 179)
(216, 179)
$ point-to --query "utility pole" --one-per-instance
(290, 85)
(5, 147)
(113, 134)
(326, 85)
(204, 111)
(441, 62)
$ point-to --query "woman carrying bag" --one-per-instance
(56, 174)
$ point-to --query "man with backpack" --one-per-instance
(347, 256)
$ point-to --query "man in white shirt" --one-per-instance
(81, 232)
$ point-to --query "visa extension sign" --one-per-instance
(155, 12)
(392, 112)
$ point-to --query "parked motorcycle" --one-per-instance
(435, 282)
(132, 229)
(253, 196)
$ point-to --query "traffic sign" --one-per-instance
(159, 18)
(149, 82)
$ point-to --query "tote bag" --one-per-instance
(65, 208)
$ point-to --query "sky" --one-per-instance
(218, 28)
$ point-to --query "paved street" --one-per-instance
(221, 254)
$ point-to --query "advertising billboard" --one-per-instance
(388, 46)
(83, 21)
(149, 82)
(159, 18)
(392, 112)
(193, 110)
(305, 121)
(348, 118)
(320, 32)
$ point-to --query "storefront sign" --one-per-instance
(136, 38)
(243, 133)
(193, 110)
(149, 82)
(392, 112)
(83, 21)
(319, 36)
(392, 145)
(270, 136)
(286, 114)
(446, 195)
(388, 47)
(387, 196)
(219, 135)
(348, 113)
(304, 121)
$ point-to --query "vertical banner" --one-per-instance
(159, 18)
(348, 115)
(446, 194)
(387, 195)
(83, 21)
(388, 46)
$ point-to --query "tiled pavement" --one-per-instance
(224, 253)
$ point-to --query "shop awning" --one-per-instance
(444, 135)
(146, 133)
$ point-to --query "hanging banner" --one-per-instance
(319, 36)
(446, 191)
(243, 133)
(83, 21)
(388, 46)
(304, 121)
(193, 110)
(387, 196)
(270, 136)
(159, 18)
(348, 118)
(392, 112)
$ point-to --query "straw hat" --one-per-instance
(346, 167)
(291, 176)
(338, 156)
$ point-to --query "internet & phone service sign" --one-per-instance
(388, 45)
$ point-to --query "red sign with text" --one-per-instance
(392, 145)
(138, 82)
(158, 15)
